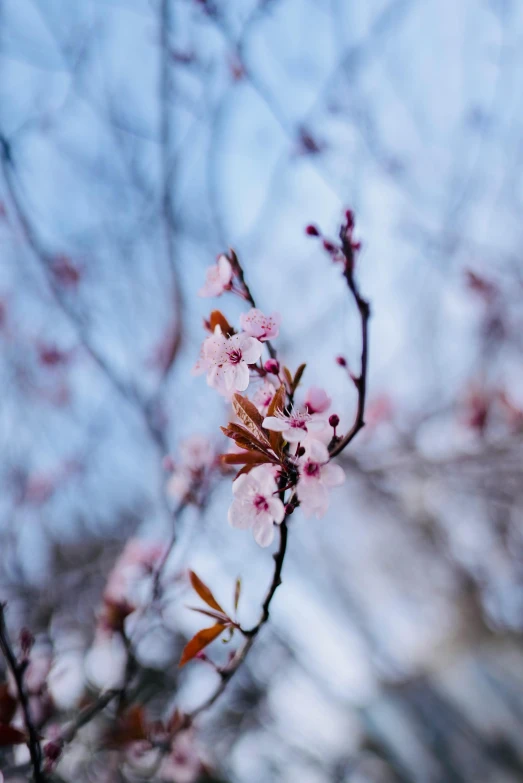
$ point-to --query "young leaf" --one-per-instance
(217, 318)
(10, 736)
(204, 592)
(244, 438)
(218, 616)
(249, 458)
(288, 377)
(198, 642)
(250, 416)
(8, 704)
(237, 591)
(130, 727)
(298, 377)
(277, 404)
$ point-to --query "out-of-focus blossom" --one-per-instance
(317, 476)
(317, 400)
(183, 764)
(263, 396)
(196, 452)
(263, 327)
(218, 278)
(196, 457)
(295, 426)
(66, 679)
(106, 661)
(226, 360)
(254, 505)
(137, 561)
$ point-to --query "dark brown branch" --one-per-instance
(17, 669)
(86, 715)
(246, 292)
(228, 671)
(361, 380)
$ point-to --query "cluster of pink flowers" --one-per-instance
(232, 361)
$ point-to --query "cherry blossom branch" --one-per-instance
(86, 715)
(246, 292)
(232, 667)
(17, 669)
(348, 248)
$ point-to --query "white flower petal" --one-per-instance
(263, 530)
(275, 424)
(332, 475)
(276, 510)
(241, 515)
(241, 377)
(251, 349)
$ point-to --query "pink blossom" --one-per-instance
(263, 396)
(196, 456)
(295, 426)
(226, 360)
(137, 560)
(183, 764)
(317, 400)
(106, 661)
(196, 452)
(254, 505)
(263, 327)
(317, 475)
(218, 278)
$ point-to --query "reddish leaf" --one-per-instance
(131, 727)
(204, 592)
(198, 642)
(7, 704)
(217, 318)
(250, 416)
(298, 377)
(218, 616)
(288, 376)
(11, 736)
(277, 404)
(245, 439)
(249, 458)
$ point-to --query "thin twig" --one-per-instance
(17, 670)
(361, 381)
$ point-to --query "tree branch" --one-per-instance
(17, 669)
(364, 311)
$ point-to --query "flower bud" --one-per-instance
(341, 361)
(312, 231)
(272, 366)
(334, 420)
(26, 641)
(330, 247)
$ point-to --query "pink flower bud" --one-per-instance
(334, 420)
(349, 217)
(341, 361)
(272, 366)
(312, 231)
(330, 247)
(26, 641)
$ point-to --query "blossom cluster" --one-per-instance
(283, 446)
